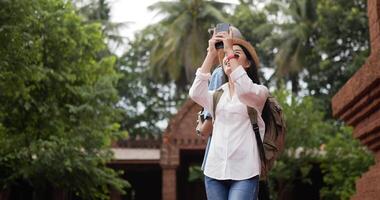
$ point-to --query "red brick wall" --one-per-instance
(358, 104)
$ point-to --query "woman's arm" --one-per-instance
(249, 93)
(199, 90)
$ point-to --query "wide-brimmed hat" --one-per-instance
(238, 39)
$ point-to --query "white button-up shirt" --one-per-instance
(233, 152)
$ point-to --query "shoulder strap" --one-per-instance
(252, 113)
(253, 117)
(215, 100)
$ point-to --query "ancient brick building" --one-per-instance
(358, 104)
(159, 169)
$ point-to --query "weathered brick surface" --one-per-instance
(369, 125)
(373, 16)
(365, 79)
(169, 183)
(358, 104)
(179, 135)
(364, 106)
(181, 128)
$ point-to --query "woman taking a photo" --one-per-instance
(233, 163)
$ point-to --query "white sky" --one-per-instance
(132, 11)
(136, 12)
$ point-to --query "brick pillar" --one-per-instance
(114, 194)
(358, 104)
(59, 194)
(4, 194)
(169, 182)
(169, 161)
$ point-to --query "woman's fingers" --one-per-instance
(227, 41)
(211, 45)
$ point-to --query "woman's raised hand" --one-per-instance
(211, 50)
(227, 41)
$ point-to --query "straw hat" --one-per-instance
(238, 39)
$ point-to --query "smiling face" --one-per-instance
(242, 60)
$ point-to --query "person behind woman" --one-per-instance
(233, 163)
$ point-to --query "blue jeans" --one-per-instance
(232, 189)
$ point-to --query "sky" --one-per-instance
(136, 12)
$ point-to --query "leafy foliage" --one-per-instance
(343, 164)
(342, 45)
(182, 39)
(146, 101)
(256, 28)
(99, 11)
(57, 100)
(294, 38)
(312, 141)
(306, 132)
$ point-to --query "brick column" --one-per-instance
(358, 104)
(114, 194)
(169, 182)
(59, 194)
(169, 162)
(4, 194)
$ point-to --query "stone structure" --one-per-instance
(358, 104)
(180, 135)
(178, 143)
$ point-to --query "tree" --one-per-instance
(99, 11)
(147, 102)
(294, 38)
(256, 28)
(57, 101)
(306, 132)
(314, 142)
(182, 43)
(342, 45)
(344, 162)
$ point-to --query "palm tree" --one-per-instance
(99, 11)
(182, 39)
(296, 39)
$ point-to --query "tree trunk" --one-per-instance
(295, 83)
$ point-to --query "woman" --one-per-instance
(233, 163)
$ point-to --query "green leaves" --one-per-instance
(314, 142)
(344, 162)
(195, 173)
(181, 39)
(57, 100)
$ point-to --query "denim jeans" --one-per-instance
(232, 189)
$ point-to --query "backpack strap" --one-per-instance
(253, 117)
(215, 100)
